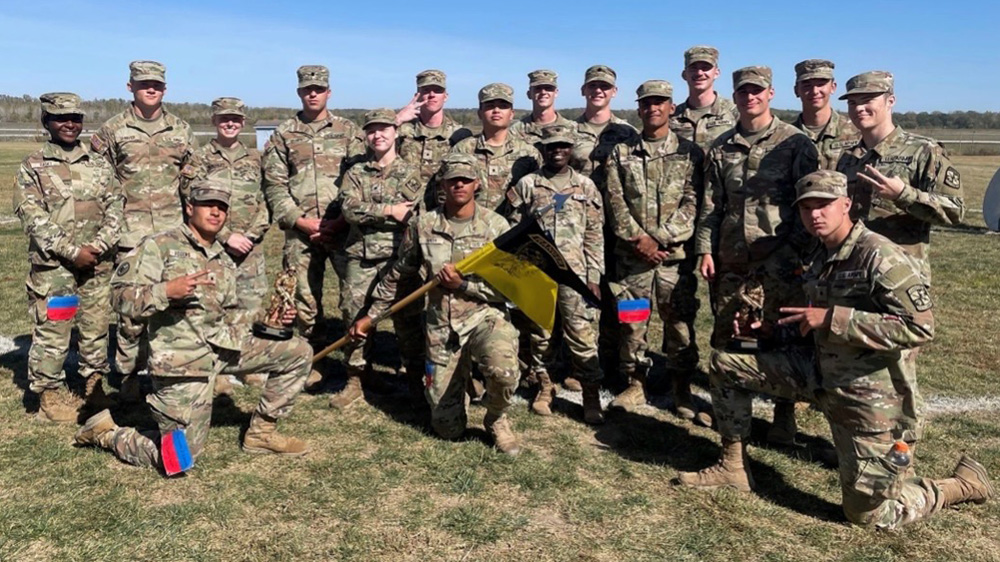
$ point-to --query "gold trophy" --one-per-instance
(749, 315)
(282, 301)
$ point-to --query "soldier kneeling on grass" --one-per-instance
(182, 284)
(870, 311)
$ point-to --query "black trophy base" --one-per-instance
(268, 332)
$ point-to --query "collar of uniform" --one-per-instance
(888, 143)
(615, 120)
(714, 109)
(831, 130)
(211, 252)
(737, 138)
(52, 151)
(527, 120)
(481, 145)
(544, 180)
(847, 246)
(302, 125)
(667, 145)
(441, 132)
(217, 148)
(371, 165)
(442, 226)
(164, 122)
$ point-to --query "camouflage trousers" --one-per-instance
(309, 261)
(356, 286)
(251, 279)
(779, 278)
(132, 343)
(578, 323)
(671, 291)
(876, 493)
(186, 402)
(50, 339)
(492, 346)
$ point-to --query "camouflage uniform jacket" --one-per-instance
(504, 166)
(652, 189)
(720, 118)
(429, 243)
(838, 135)
(747, 209)
(932, 193)
(577, 228)
(185, 336)
(424, 146)
(65, 200)
(147, 157)
(304, 164)
(366, 191)
(248, 214)
(531, 132)
(591, 152)
(880, 308)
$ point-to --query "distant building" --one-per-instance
(264, 129)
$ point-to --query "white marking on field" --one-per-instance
(8, 219)
(7, 346)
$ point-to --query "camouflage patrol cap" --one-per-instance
(654, 88)
(701, 53)
(813, 68)
(872, 82)
(823, 184)
(147, 70)
(759, 75)
(431, 77)
(61, 103)
(455, 165)
(600, 73)
(496, 91)
(313, 75)
(228, 106)
(209, 190)
(383, 116)
(557, 134)
(542, 77)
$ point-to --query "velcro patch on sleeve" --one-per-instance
(920, 297)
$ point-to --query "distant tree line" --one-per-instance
(25, 109)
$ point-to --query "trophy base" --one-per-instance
(743, 345)
(268, 332)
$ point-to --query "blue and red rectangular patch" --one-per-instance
(174, 452)
(62, 308)
(633, 310)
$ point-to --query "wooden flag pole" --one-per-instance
(401, 304)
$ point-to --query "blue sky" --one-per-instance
(946, 56)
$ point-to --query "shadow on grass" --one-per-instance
(641, 438)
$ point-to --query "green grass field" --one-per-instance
(379, 486)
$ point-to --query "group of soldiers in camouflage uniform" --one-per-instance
(813, 237)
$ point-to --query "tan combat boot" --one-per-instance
(592, 413)
(572, 384)
(968, 483)
(262, 437)
(732, 470)
(683, 401)
(783, 428)
(634, 395)
(503, 437)
(351, 392)
(223, 386)
(97, 430)
(314, 381)
(94, 396)
(542, 404)
(54, 407)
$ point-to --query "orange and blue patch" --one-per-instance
(174, 452)
(633, 310)
(62, 307)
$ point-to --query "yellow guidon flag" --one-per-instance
(525, 265)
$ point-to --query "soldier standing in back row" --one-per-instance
(577, 227)
(749, 236)
(147, 145)
(704, 115)
(70, 205)
(652, 194)
(379, 197)
(304, 163)
(426, 133)
(542, 91)
(831, 133)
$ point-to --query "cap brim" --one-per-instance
(814, 75)
(229, 112)
(709, 60)
(860, 91)
(432, 83)
(307, 83)
(65, 112)
(495, 98)
(556, 140)
(542, 83)
(379, 122)
(602, 78)
(149, 77)
(816, 195)
(754, 81)
(642, 97)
